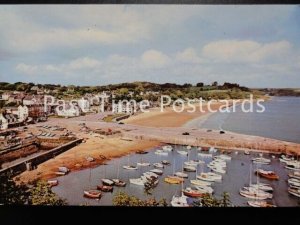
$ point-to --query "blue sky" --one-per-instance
(256, 46)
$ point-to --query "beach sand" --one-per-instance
(75, 158)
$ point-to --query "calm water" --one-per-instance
(280, 120)
(71, 186)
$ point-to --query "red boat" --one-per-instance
(105, 188)
(267, 174)
(193, 193)
(92, 194)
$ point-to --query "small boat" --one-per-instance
(294, 191)
(181, 174)
(157, 171)
(63, 169)
(189, 169)
(151, 175)
(217, 164)
(137, 181)
(182, 152)
(158, 165)
(52, 183)
(193, 162)
(171, 180)
(236, 153)
(119, 183)
(260, 204)
(205, 189)
(217, 169)
(212, 150)
(176, 178)
(209, 176)
(165, 162)
(257, 191)
(200, 183)
(273, 156)
(60, 173)
(179, 201)
(96, 194)
(246, 152)
(90, 159)
(223, 157)
(295, 167)
(192, 193)
(105, 188)
(107, 182)
(141, 152)
(143, 164)
(294, 175)
(261, 160)
(294, 182)
(161, 152)
(199, 148)
(130, 167)
(262, 187)
(167, 148)
(271, 175)
(254, 195)
(205, 155)
(188, 147)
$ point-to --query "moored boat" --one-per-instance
(294, 182)
(95, 194)
(182, 152)
(200, 183)
(130, 167)
(294, 191)
(165, 162)
(119, 183)
(205, 155)
(271, 175)
(179, 201)
(107, 182)
(167, 148)
(192, 193)
(157, 171)
(158, 165)
(161, 152)
(52, 183)
(137, 181)
(181, 174)
(189, 169)
(172, 180)
(105, 188)
(143, 164)
(260, 204)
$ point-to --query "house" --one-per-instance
(36, 112)
(3, 122)
(84, 105)
(123, 107)
(68, 110)
(33, 99)
(8, 120)
(22, 113)
(6, 95)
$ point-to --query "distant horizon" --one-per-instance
(107, 44)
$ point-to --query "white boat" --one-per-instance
(188, 147)
(179, 201)
(212, 150)
(294, 191)
(199, 148)
(292, 167)
(262, 187)
(217, 169)
(257, 191)
(295, 174)
(161, 152)
(137, 181)
(200, 183)
(254, 195)
(209, 177)
(165, 162)
(130, 167)
(294, 182)
(246, 152)
(143, 164)
(217, 164)
(191, 163)
(158, 165)
(205, 189)
(261, 160)
(181, 174)
(167, 148)
(260, 204)
(150, 175)
(107, 182)
(157, 171)
(189, 168)
(182, 152)
(223, 157)
(205, 155)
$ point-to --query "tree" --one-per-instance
(214, 84)
(200, 84)
(210, 201)
(123, 199)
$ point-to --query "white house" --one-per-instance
(22, 113)
(67, 110)
(123, 107)
(3, 122)
(6, 95)
(84, 105)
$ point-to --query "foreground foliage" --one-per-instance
(123, 199)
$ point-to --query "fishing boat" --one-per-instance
(107, 182)
(294, 175)
(95, 194)
(137, 181)
(200, 182)
(210, 176)
(179, 201)
(192, 193)
(161, 152)
(173, 180)
(294, 191)
(165, 162)
(158, 165)
(246, 152)
(182, 152)
(294, 182)
(143, 164)
(189, 169)
(157, 171)
(167, 148)
(181, 174)
(119, 183)
(271, 175)
(52, 183)
(205, 189)
(105, 188)
(262, 204)
(205, 155)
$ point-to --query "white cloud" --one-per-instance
(245, 51)
(189, 55)
(154, 59)
(84, 63)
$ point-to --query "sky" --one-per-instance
(255, 46)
